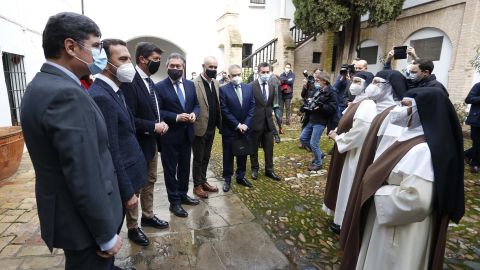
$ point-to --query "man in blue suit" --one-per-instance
(237, 104)
(179, 108)
(143, 103)
(127, 156)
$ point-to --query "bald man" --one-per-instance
(207, 88)
(361, 65)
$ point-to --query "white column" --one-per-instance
(283, 8)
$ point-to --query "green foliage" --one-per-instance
(461, 109)
(319, 16)
(476, 60)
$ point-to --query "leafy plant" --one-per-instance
(475, 62)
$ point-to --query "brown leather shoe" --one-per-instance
(198, 190)
(206, 186)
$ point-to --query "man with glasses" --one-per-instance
(237, 104)
(141, 99)
(78, 199)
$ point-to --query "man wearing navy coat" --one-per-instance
(179, 108)
(127, 156)
(141, 99)
(237, 104)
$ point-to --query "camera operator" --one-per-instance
(321, 107)
(308, 89)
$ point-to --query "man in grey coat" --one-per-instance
(76, 187)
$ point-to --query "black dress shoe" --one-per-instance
(254, 174)
(335, 228)
(178, 210)
(154, 222)
(190, 201)
(277, 138)
(244, 182)
(273, 175)
(138, 237)
(226, 186)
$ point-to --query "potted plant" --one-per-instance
(11, 150)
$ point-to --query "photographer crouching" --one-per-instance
(321, 107)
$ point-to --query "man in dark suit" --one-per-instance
(143, 103)
(207, 88)
(238, 107)
(262, 124)
(179, 107)
(76, 187)
(127, 156)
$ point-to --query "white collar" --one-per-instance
(179, 80)
(141, 72)
(409, 133)
(108, 81)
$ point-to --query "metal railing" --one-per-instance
(298, 36)
(266, 53)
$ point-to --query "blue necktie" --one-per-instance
(151, 85)
(264, 92)
(180, 94)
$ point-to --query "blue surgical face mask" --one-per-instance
(318, 86)
(265, 77)
(99, 60)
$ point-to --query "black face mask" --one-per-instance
(211, 73)
(175, 74)
(153, 66)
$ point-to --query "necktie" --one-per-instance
(239, 94)
(264, 92)
(151, 85)
(122, 97)
(181, 98)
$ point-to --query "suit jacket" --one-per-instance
(232, 112)
(127, 156)
(76, 187)
(262, 119)
(201, 123)
(170, 106)
(142, 107)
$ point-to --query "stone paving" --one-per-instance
(220, 233)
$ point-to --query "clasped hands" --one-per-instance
(161, 128)
(187, 118)
(242, 128)
(333, 134)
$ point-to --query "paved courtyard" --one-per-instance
(220, 233)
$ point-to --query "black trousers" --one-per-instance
(176, 167)
(228, 158)
(86, 259)
(264, 137)
(474, 152)
(202, 148)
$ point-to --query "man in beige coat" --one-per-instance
(207, 88)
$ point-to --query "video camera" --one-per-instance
(347, 69)
(316, 100)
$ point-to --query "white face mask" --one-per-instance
(356, 89)
(287, 70)
(399, 116)
(126, 73)
(373, 92)
(237, 80)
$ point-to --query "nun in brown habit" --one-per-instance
(409, 193)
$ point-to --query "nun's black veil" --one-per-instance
(444, 138)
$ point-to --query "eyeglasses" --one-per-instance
(98, 46)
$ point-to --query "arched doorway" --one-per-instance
(433, 44)
(167, 47)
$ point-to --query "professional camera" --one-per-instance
(347, 69)
(310, 78)
(316, 100)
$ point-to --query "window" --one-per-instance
(316, 57)
(16, 83)
(428, 48)
(257, 2)
(369, 54)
